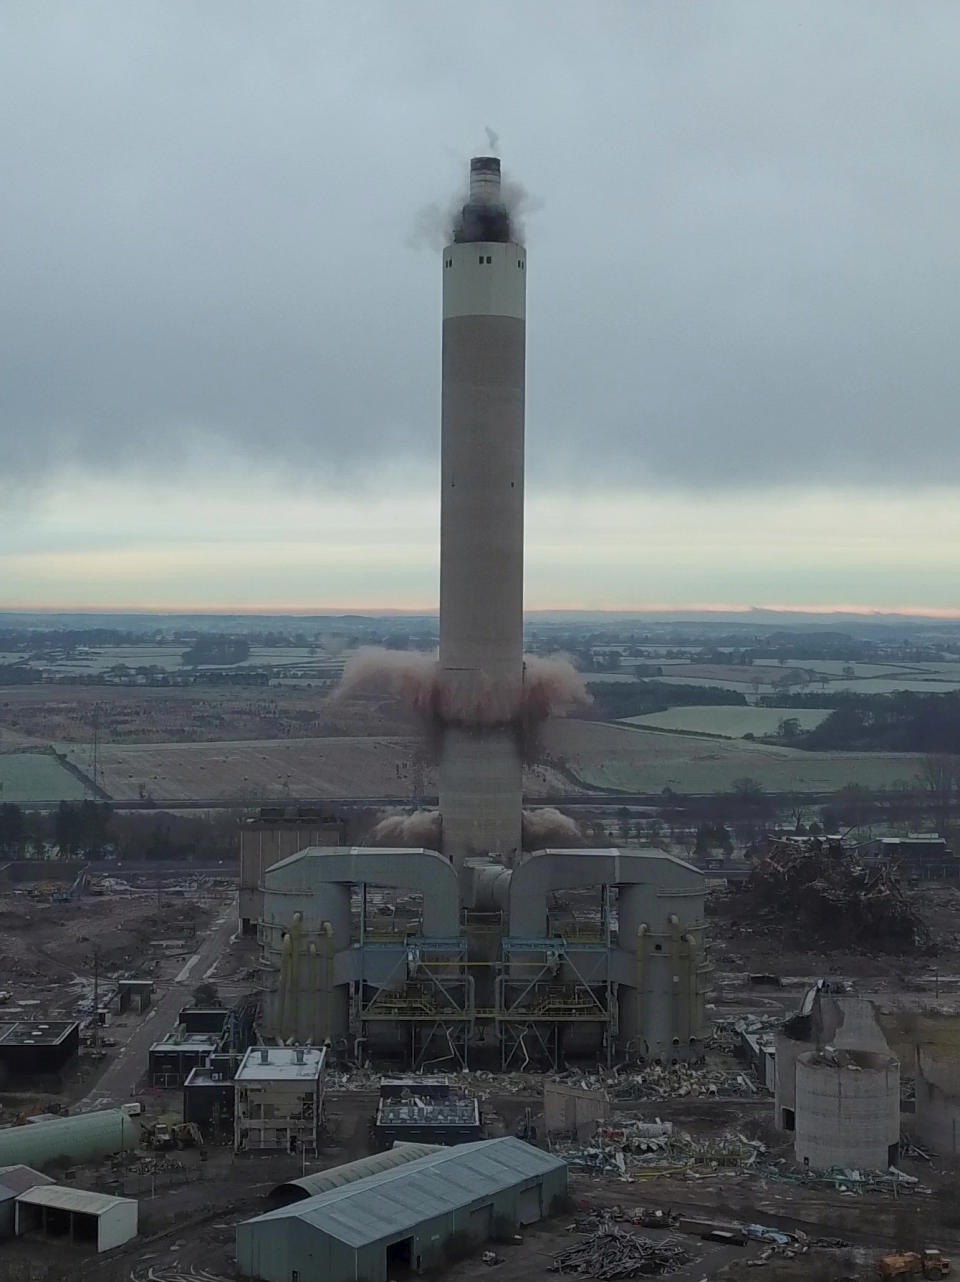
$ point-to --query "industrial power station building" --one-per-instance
(401, 1219)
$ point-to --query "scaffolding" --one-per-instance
(546, 988)
(427, 993)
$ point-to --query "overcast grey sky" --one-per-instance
(219, 315)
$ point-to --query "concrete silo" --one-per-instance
(848, 1109)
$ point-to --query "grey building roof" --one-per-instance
(79, 1200)
(337, 1176)
(282, 1064)
(388, 1203)
(30, 1033)
(21, 1178)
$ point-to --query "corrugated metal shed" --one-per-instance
(79, 1138)
(388, 1203)
(337, 1176)
(79, 1200)
(21, 1178)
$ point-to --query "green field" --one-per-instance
(633, 759)
(730, 722)
(35, 776)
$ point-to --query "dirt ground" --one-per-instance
(51, 942)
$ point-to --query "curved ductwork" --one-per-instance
(487, 886)
(652, 886)
(307, 961)
(644, 976)
(314, 870)
(656, 961)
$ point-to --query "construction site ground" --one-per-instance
(189, 1206)
(48, 955)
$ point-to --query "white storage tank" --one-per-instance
(848, 1109)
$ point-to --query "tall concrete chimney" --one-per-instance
(481, 540)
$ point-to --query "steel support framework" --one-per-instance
(430, 992)
(533, 1009)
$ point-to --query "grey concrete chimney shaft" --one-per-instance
(481, 544)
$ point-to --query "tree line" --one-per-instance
(899, 722)
(92, 829)
(613, 700)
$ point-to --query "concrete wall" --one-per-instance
(261, 846)
(936, 1122)
(117, 1225)
(847, 1114)
(569, 1111)
(269, 1114)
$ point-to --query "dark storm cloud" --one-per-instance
(743, 271)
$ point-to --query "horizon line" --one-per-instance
(306, 611)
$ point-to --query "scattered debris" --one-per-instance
(612, 1252)
(895, 1182)
(657, 1147)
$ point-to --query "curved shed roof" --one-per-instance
(321, 1181)
(393, 1201)
(80, 1138)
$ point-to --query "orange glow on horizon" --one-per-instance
(865, 611)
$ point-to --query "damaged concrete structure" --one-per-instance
(478, 963)
(837, 1085)
(937, 1117)
(847, 1109)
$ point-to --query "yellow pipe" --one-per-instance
(693, 1025)
(286, 951)
(674, 921)
(326, 931)
(642, 931)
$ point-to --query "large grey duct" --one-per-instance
(658, 964)
(485, 886)
(307, 960)
(652, 886)
(317, 882)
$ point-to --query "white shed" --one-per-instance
(79, 1216)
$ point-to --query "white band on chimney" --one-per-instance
(484, 278)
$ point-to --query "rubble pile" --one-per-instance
(654, 1082)
(661, 1082)
(833, 899)
(637, 1147)
(612, 1252)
